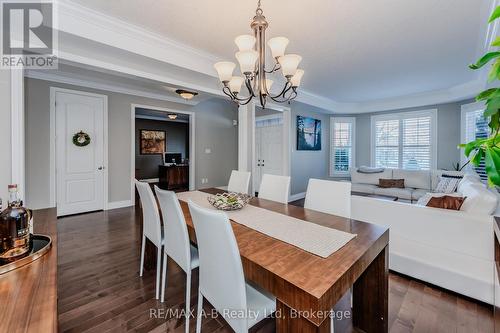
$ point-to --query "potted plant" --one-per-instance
(489, 148)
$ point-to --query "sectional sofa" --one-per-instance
(447, 248)
(417, 182)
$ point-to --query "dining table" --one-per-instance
(307, 286)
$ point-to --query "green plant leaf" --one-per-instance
(494, 15)
(485, 59)
(486, 94)
(494, 122)
(494, 71)
(492, 164)
(469, 147)
(492, 106)
(476, 159)
(496, 42)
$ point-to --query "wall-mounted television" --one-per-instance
(172, 158)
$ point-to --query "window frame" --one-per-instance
(333, 121)
(400, 116)
(464, 109)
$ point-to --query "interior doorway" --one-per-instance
(269, 145)
(163, 148)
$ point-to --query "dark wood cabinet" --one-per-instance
(174, 177)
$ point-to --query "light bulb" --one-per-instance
(245, 42)
(247, 60)
(225, 70)
(289, 64)
(235, 84)
(278, 46)
(295, 80)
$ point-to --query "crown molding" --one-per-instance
(53, 77)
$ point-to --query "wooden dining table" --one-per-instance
(307, 286)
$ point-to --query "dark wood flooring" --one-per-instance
(100, 289)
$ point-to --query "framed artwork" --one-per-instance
(308, 133)
(153, 142)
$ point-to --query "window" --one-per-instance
(404, 140)
(474, 126)
(341, 145)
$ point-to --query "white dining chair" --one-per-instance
(177, 244)
(239, 181)
(329, 197)
(222, 281)
(275, 188)
(151, 228)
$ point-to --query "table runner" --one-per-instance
(317, 239)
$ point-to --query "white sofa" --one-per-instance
(417, 182)
(451, 249)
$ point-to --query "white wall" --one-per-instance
(5, 134)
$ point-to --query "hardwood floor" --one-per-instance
(100, 289)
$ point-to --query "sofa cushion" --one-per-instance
(479, 200)
(436, 176)
(363, 188)
(446, 202)
(388, 183)
(369, 178)
(404, 193)
(418, 193)
(447, 184)
(468, 179)
(414, 178)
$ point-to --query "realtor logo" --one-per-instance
(28, 35)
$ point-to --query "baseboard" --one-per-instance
(297, 196)
(150, 180)
(119, 204)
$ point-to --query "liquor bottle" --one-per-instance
(15, 238)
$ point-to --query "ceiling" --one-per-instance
(354, 51)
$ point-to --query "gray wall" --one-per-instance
(214, 129)
(177, 139)
(308, 164)
(448, 128)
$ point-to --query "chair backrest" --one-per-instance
(329, 197)
(239, 182)
(177, 245)
(275, 188)
(221, 273)
(151, 224)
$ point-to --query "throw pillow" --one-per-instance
(447, 184)
(446, 202)
(391, 183)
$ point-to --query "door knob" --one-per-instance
(100, 168)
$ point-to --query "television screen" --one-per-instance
(175, 158)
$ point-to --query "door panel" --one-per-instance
(80, 177)
(268, 152)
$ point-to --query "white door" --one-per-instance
(268, 152)
(80, 182)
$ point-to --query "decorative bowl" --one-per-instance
(229, 200)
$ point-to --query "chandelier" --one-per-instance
(252, 60)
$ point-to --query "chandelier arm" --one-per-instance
(234, 97)
(286, 88)
(251, 90)
(275, 68)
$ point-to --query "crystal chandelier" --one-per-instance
(252, 60)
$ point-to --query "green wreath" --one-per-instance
(81, 139)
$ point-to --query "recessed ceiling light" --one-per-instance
(187, 95)
(172, 116)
